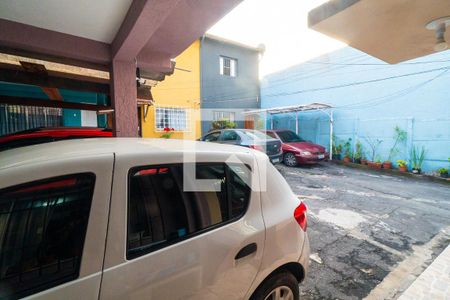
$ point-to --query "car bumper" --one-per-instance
(276, 158)
(310, 159)
(304, 258)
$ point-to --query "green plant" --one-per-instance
(378, 159)
(374, 144)
(337, 147)
(358, 150)
(348, 148)
(417, 157)
(223, 124)
(442, 170)
(402, 163)
(167, 133)
(400, 136)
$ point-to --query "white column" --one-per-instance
(296, 122)
(331, 135)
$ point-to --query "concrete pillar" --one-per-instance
(123, 98)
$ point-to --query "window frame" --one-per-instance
(144, 250)
(219, 115)
(173, 108)
(66, 278)
(233, 66)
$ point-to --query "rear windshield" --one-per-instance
(256, 135)
(289, 137)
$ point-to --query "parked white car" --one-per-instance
(113, 219)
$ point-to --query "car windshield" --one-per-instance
(256, 135)
(289, 137)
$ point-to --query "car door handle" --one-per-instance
(247, 250)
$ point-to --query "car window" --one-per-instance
(42, 229)
(230, 135)
(289, 137)
(272, 135)
(256, 135)
(161, 212)
(212, 137)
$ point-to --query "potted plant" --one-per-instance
(402, 165)
(399, 137)
(363, 160)
(167, 133)
(443, 172)
(358, 153)
(377, 164)
(387, 164)
(373, 144)
(223, 124)
(336, 149)
(417, 158)
(348, 151)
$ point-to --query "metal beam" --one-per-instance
(50, 103)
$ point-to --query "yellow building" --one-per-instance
(177, 100)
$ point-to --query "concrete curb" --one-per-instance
(395, 172)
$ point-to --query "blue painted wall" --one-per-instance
(72, 117)
(370, 98)
(220, 92)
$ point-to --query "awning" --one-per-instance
(288, 109)
(299, 108)
(393, 31)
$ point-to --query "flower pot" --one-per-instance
(387, 165)
(357, 161)
(443, 175)
(347, 159)
(416, 171)
(403, 168)
(377, 165)
(364, 161)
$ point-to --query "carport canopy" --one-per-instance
(325, 108)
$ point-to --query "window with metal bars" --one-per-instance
(42, 230)
(171, 117)
(161, 212)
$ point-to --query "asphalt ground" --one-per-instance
(371, 234)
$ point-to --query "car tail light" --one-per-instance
(300, 216)
(257, 147)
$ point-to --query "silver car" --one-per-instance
(248, 138)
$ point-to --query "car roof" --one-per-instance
(96, 146)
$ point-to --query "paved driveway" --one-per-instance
(371, 234)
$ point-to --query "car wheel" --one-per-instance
(289, 159)
(281, 286)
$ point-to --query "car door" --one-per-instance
(53, 221)
(230, 137)
(167, 243)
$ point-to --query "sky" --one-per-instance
(281, 25)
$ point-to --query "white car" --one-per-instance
(120, 219)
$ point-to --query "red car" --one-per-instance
(45, 135)
(296, 150)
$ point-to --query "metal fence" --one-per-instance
(15, 118)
